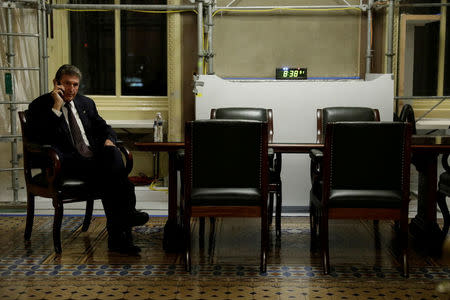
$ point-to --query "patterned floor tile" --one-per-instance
(362, 268)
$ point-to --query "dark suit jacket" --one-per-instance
(47, 128)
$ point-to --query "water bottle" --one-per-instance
(157, 128)
(160, 128)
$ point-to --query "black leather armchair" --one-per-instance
(226, 174)
(43, 177)
(335, 114)
(275, 186)
(366, 169)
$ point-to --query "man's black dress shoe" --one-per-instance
(122, 242)
(137, 218)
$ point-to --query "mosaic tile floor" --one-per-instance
(363, 262)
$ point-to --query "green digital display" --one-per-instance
(288, 73)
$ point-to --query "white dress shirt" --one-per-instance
(77, 117)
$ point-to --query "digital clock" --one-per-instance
(287, 73)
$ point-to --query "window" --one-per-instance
(93, 50)
(423, 58)
(137, 66)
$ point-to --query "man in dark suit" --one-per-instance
(86, 145)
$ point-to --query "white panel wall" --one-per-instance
(294, 105)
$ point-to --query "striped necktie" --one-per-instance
(77, 138)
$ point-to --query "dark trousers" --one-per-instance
(106, 170)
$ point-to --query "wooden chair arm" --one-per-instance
(316, 164)
(278, 162)
(44, 157)
(54, 169)
(37, 148)
(271, 155)
(128, 156)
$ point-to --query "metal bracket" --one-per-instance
(209, 54)
(11, 188)
(197, 83)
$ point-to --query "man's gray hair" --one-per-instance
(67, 70)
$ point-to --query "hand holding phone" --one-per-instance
(57, 95)
(60, 87)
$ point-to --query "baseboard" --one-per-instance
(152, 202)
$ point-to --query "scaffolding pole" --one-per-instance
(12, 110)
(390, 39)
(122, 7)
(210, 25)
(201, 53)
(369, 38)
(229, 8)
(43, 46)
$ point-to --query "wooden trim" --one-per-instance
(401, 52)
(441, 53)
(118, 51)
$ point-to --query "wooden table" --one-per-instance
(425, 151)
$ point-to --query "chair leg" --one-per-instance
(313, 226)
(404, 245)
(201, 229)
(212, 232)
(187, 240)
(264, 243)
(201, 233)
(278, 213)
(30, 216)
(88, 215)
(270, 207)
(323, 234)
(441, 201)
(57, 221)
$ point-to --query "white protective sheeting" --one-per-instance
(26, 85)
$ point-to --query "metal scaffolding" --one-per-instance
(11, 69)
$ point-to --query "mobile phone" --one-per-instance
(59, 83)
